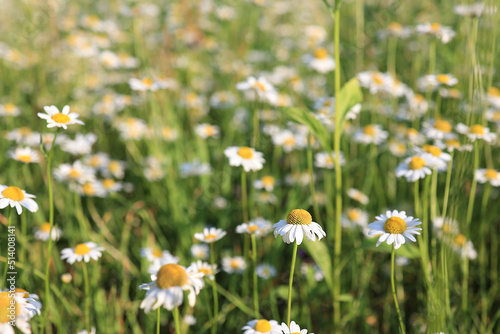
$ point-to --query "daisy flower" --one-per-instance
(325, 160)
(168, 288)
(84, 251)
(210, 235)
(439, 129)
(447, 226)
(488, 175)
(266, 182)
(33, 306)
(320, 60)
(144, 84)
(9, 320)
(76, 172)
(205, 268)
(265, 271)
(358, 196)
(434, 81)
(156, 254)
(247, 157)
(189, 320)
(453, 144)
(234, 265)
(355, 217)
(206, 130)
(297, 224)
(375, 81)
(293, 329)
(435, 156)
(396, 30)
(24, 154)
(442, 33)
(16, 197)
(371, 134)
(92, 188)
(414, 168)
(42, 233)
(258, 87)
(476, 131)
(262, 326)
(9, 109)
(259, 226)
(475, 9)
(111, 186)
(200, 251)
(394, 227)
(82, 144)
(464, 247)
(493, 97)
(60, 119)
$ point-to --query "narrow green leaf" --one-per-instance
(349, 95)
(319, 253)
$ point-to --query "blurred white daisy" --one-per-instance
(266, 271)
(233, 265)
(439, 129)
(24, 154)
(488, 175)
(414, 168)
(320, 60)
(43, 232)
(60, 119)
(247, 157)
(206, 130)
(16, 197)
(143, 84)
(258, 87)
(200, 251)
(205, 268)
(82, 252)
(358, 196)
(266, 182)
(464, 248)
(370, 134)
(210, 235)
(476, 131)
(258, 226)
(326, 160)
(394, 227)
(9, 109)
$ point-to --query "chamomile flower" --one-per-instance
(464, 247)
(247, 157)
(158, 255)
(370, 134)
(266, 182)
(358, 196)
(355, 217)
(258, 87)
(16, 318)
(442, 33)
(320, 60)
(262, 326)
(111, 186)
(206, 269)
(75, 173)
(265, 271)
(439, 129)
(92, 188)
(259, 226)
(16, 197)
(82, 252)
(493, 97)
(375, 81)
(293, 329)
(298, 224)
(168, 288)
(326, 160)
(43, 232)
(394, 227)
(488, 175)
(60, 119)
(435, 157)
(206, 130)
(394, 29)
(434, 81)
(9, 109)
(24, 154)
(82, 144)
(475, 9)
(189, 320)
(200, 251)
(445, 226)
(414, 168)
(476, 131)
(143, 84)
(234, 265)
(210, 235)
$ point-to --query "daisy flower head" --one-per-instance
(358, 196)
(493, 97)
(297, 224)
(327, 160)
(445, 226)
(476, 131)
(168, 288)
(394, 228)
(432, 82)
(442, 33)
(438, 129)
(435, 156)
(488, 175)
(200, 251)
(24, 154)
(370, 134)
(453, 144)
(464, 247)
(210, 235)
(33, 305)
(43, 233)
(82, 252)
(320, 60)
(259, 227)
(247, 157)
(205, 268)
(205, 130)
(9, 109)
(395, 29)
(143, 84)
(155, 254)
(414, 168)
(265, 271)
(258, 88)
(375, 81)
(262, 326)
(354, 217)
(266, 182)
(74, 173)
(293, 328)
(16, 318)
(234, 265)
(60, 119)
(16, 197)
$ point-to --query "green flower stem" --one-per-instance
(4, 277)
(214, 290)
(255, 278)
(434, 201)
(444, 257)
(401, 324)
(290, 283)
(51, 222)
(176, 320)
(483, 255)
(447, 186)
(158, 321)
(311, 181)
(244, 199)
(87, 296)
(392, 44)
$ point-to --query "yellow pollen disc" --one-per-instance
(491, 174)
(454, 92)
(61, 118)
(45, 227)
(235, 264)
(460, 240)
(210, 237)
(443, 78)
(24, 131)
(205, 271)
(260, 86)
(13, 193)
(435, 151)
(245, 152)
(320, 53)
(263, 326)
(394, 26)
(419, 98)
(9, 108)
(477, 129)
(209, 130)
(353, 214)
(377, 78)
(157, 253)
(108, 183)
(114, 166)
(82, 249)
(369, 130)
(435, 27)
(416, 163)
(452, 143)
(74, 173)
(395, 225)
(147, 82)
(268, 180)
(496, 116)
(411, 132)
(24, 158)
(5, 303)
(290, 141)
(171, 275)
(299, 217)
(252, 228)
(494, 91)
(88, 189)
(442, 126)
(329, 160)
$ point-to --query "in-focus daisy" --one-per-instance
(394, 227)
(320, 60)
(488, 175)
(293, 329)
(200, 251)
(43, 232)
(210, 234)
(234, 265)
(82, 252)
(476, 131)
(265, 271)
(24, 154)
(16, 197)
(266, 182)
(414, 168)
(358, 196)
(259, 226)
(247, 157)
(297, 224)
(60, 119)
(262, 326)
(168, 288)
(372, 133)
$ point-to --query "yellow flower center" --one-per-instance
(210, 236)
(416, 163)
(9, 108)
(157, 253)
(377, 78)
(477, 129)
(395, 225)
(442, 126)
(418, 98)
(394, 26)
(443, 78)
(491, 174)
(235, 264)
(435, 151)
(13, 193)
(320, 53)
(209, 130)
(108, 183)
(268, 180)
(45, 227)
(25, 293)
(435, 27)
(452, 143)
(82, 249)
(252, 228)
(171, 275)
(369, 130)
(290, 141)
(460, 240)
(263, 326)
(206, 271)
(494, 91)
(61, 118)
(245, 152)
(260, 86)
(24, 131)
(148, 82)
(411, 132)
(88, 189)
(496, 116)
(74, 173)
(24, 158)
(5, 303)
(353, 214)
(299, 217)
(114, 166)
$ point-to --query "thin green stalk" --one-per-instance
(447, 186)
(392, 44)
(290, 283)
(214, 290)
(176, 320)
(87, 296)
(401, 324)
(483, 256)
(244, 199)
(158, 321)
(432, 56)
(255, 139)
(255, 278)
(311, 181)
